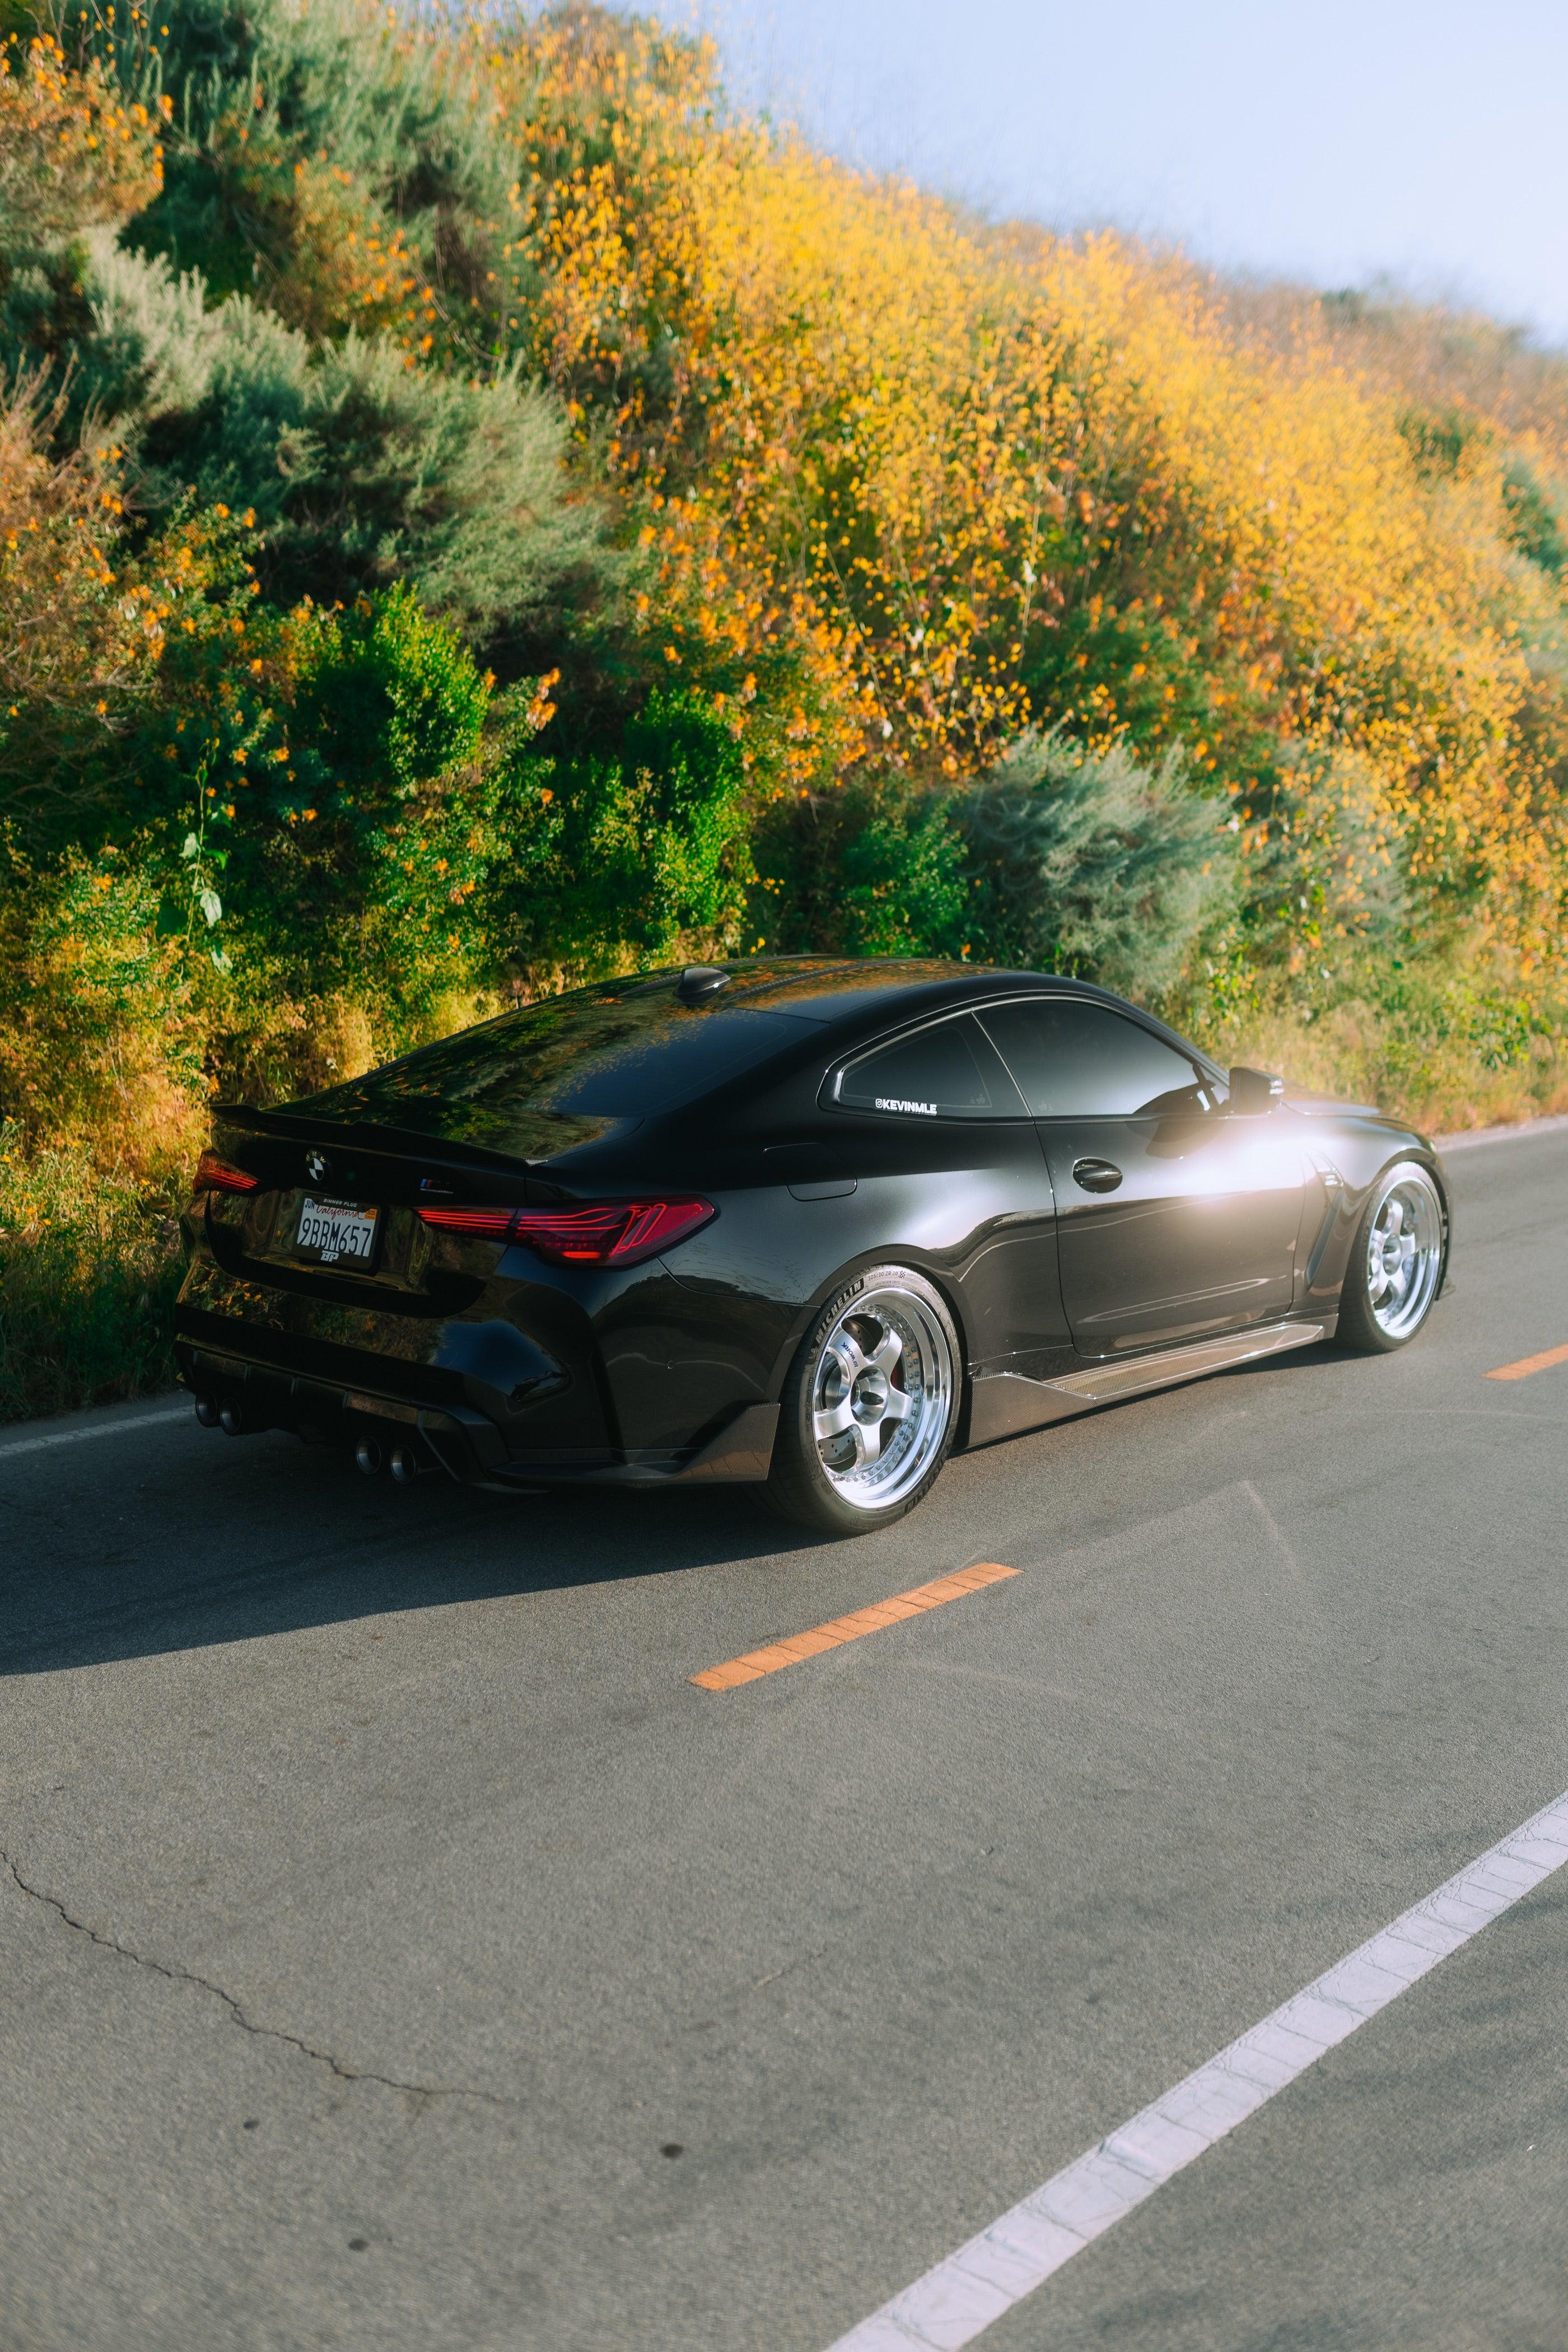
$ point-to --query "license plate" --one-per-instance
(335, 1233)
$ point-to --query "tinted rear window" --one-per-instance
(947, 1071)
(627, 1051)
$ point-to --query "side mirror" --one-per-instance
(1252, 1092)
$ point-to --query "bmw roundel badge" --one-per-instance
(316, 1166)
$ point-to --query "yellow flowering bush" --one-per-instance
(979, 478)
(73, 153)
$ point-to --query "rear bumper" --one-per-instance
(250, 1372)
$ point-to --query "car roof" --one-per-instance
(844, 991)
(856, 999)
(833, 989)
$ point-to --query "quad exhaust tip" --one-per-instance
(230, 1418)
(403, 1461)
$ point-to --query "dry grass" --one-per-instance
(88, 1271)
(1354, 1054)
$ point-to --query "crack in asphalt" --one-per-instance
(425, 2091)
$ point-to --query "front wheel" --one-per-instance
(1396, 1262)
(869, 1407)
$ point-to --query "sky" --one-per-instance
(1334, 143)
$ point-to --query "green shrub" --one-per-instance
(1325, 857)
(88, 1269)
(1534, 523)
(635, 856)
(904, 890)
(877, 868)
(386, 697)
(99, 1045)
(359, 467)
(303, 133)
(1092, 863)
(325, 779)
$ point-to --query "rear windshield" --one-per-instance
(623, 1051)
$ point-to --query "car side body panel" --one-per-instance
(1201, 1234)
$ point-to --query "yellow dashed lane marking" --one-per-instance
(838, 1630)
(1528, 1364)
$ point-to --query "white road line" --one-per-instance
(1512, 1134)
(952, 2304)
(101, 1429)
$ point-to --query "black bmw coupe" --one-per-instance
(805, 1223)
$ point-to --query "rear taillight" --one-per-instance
(613, 1232)
(215, 1175)
(494, 1223)
(617, 1233)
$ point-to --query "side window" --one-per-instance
(948, 1071)
(1077, 1060)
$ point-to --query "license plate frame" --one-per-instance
(335, 1234)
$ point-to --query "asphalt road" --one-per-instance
(384, 1907)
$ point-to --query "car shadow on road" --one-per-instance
(207, 1541)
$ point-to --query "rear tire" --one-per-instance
(1395, 1263)
(869, 1406)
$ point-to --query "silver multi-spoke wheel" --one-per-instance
(881, 1397)
(870, 1405)
(1403, 1252)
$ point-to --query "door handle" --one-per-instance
(1095, 1175)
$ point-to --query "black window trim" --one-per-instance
(828, 1094)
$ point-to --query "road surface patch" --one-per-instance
(1528, 1364)
(952, 2304)
(101, 1429)
(853, 1628)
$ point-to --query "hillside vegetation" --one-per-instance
(476, 513)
